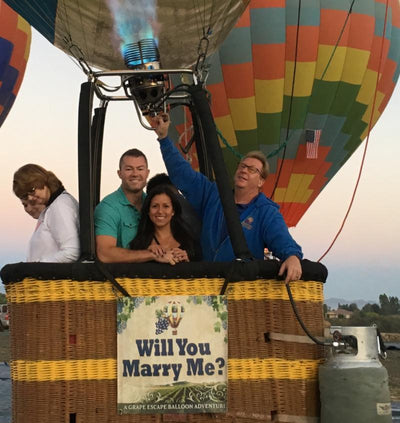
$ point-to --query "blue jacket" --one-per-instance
(262, 223)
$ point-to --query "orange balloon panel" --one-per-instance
(15, 40)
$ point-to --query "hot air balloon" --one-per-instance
(299, 81)
(15, 40)
(59, 343)
(99, 30)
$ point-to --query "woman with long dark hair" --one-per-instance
(162, 229)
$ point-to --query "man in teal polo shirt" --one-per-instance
(117, 216)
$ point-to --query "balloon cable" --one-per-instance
(366, 141)
(228, 146)
(291, 100)
(338, 40)
(283, 145)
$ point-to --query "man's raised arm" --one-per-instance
(194, 185)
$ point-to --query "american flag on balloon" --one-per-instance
(312, 143)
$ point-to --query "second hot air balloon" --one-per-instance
(299, 80)
(15, 40)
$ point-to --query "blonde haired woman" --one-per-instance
(56, 237)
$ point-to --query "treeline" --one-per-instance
(386, 314)
(386, 307)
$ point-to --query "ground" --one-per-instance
(4, 346)
(392, 364)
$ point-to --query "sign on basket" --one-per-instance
(172, 354)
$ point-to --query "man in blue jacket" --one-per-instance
(262, 223)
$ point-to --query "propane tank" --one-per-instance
(354, 386)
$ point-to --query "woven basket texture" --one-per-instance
(63, 350)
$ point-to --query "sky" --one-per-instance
(42, 128)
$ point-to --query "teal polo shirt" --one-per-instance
(117, 217)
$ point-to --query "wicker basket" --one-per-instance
(63, 349)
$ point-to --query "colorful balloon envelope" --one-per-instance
(15, 40)
(298, 80)
(98, 31)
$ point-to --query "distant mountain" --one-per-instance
(333, 302)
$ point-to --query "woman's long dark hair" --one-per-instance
(179, 229)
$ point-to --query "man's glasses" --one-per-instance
(27, 194)
(251, 169)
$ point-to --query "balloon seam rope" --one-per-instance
(74, 49)
(97, 25)
(277, 150)
(66, 23)
(84, 33)
(197, 18)
(366, 141)
(322, 78)
(210, 22)
(338, 40)
(278, 176)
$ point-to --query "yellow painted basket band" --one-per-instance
(32, 290)
(103, 369)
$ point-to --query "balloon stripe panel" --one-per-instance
(309, 13)
(355, 66)
(268, 26)
(14, 50)
(255, 4)
(9, 78)
(40, 14)
(6, 48)
(302, 45)
(231, 72)
(360, 26)
(272, 90)
(269, 129)
(269, 61)
(247, 140)
(240, 38)
(220, 103)
(8, 20)
(303, 76)
(243, 113)
(224, 124)
(330, 63)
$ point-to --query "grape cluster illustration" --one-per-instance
(126, 306)
(137, 301)
(161, 325)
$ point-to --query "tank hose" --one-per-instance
(294, 307)
(381, 345)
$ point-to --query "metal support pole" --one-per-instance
(201, 150)
(97, 149)
(85, 172)
(214, 152)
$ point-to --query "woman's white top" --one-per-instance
(56, 237)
